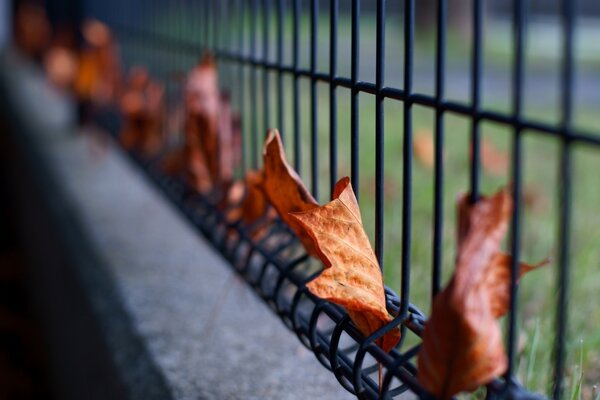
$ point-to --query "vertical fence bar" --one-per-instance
(254, 94)
(265, 76)
(438, 203)
(476, 68)
(207, 22)
(280, 100)
(354, 139)
(241, 82)
(565, 178)
(519, 25)
(227, 16)
(333, 32)
(180, 67)
(215, 26)
(314, 129)
(296, 90)
(379, 125)
(409, 28)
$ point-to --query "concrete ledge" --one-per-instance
(171, 316)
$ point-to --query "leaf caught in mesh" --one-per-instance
(462, 343)
(251, 203)
(99, 74)
(285, 190)
(142, 106)
(202, 103)
(212, 146)
(255, 203)
(352, 277)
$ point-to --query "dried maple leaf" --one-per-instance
(250, 205)
(188, 163)
(31, 28)
(497, 281)
(210, 124)
(202, 102)
(285, 190)
(142, 106)
(246, 199)
(352, 277)
(255, 203)
(229, 139)
(60, 65)
(462, 343)
(99, 74)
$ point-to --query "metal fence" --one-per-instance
(260, 48)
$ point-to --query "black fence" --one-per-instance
(261, 50)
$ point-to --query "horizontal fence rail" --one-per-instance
(264, 61)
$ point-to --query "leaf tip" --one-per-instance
(340, 186)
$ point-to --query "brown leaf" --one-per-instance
(285, 190)
(60, 65)
(174, 162)
(31, 28)
(497, 281)
(142, 107)
(99, 74)
(352, 277)
(462, 343)
(255, 203)
(227, 132)
(202, 100)
(188, 163)
(247, 202)
(210, 124)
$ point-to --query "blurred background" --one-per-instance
(164, 37)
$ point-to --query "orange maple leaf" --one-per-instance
(462, 342)
(99, 74)
(212, 138)
(247, 198)
(255, 203)
(142, 107)
(285, 190)
(352, 277)
(202, 100)
(211, 129)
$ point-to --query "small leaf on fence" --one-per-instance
(99, 73)
(352, 277)
(142, 106)
(212, 145)
(462, 342)
(60, 65)
(246, 201)
(202, 101)
(497, 281)
(284, 188)
(255, 203)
